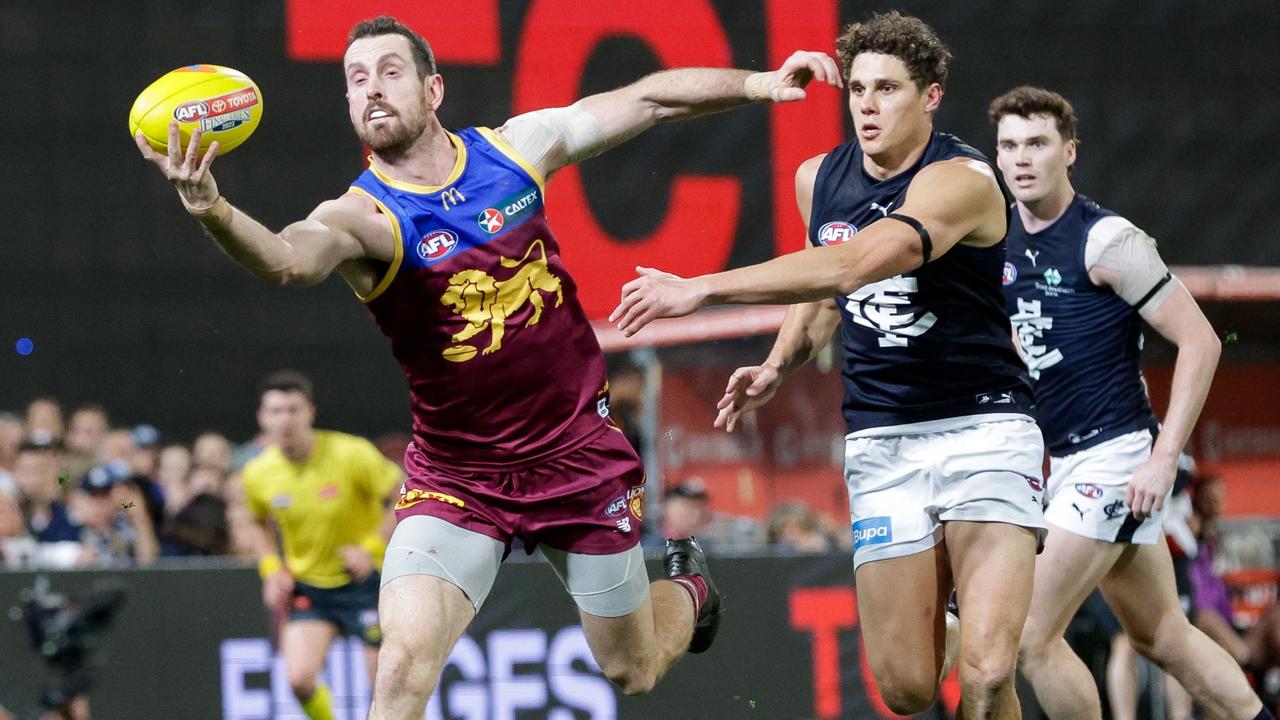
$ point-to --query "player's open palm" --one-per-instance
(748, 389)
(1150, 485)
(188, 170)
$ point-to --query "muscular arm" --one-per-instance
(337, 234)
(1131, 266)
(556, 137)
(956, 201)
(1179, 320)
(807, 327)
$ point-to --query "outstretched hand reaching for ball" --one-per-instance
(188, 172)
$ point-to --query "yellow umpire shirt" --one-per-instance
(333, 498)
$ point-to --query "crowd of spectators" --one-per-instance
(77, 492)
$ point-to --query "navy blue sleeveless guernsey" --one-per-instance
(1082, 342)
(926, 345)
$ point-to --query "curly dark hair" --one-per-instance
(907, 38)
(423, 58)
(1026, 100)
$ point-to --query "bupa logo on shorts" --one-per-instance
(1010, 274)
(872, 531)
(1089, 490)
(836, 232)
(436, 244)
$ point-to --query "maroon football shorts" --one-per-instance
(589, 500)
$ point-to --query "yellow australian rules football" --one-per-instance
(223, 103)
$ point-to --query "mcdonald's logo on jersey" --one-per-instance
(452, 196)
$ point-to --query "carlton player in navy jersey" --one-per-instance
(1079, 281)
(445, 237)
(943, 460)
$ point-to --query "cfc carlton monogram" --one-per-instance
(485, 302)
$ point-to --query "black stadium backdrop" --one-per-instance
(129, 305)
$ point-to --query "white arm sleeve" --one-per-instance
(555, 137)
(1130, 262)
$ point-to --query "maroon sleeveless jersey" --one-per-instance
(503, 367)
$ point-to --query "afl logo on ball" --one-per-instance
(436, 245)
(1010, 274)
(834, 233)
(490, 220)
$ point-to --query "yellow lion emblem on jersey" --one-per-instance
(485, 302)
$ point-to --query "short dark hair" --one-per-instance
(287, 381)
(423, 58)
(907, 38)
(1026, 100)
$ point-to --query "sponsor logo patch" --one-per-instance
(1036, 483)
(872, 531)
(436, 244)
(415, 496)
(1115, 509)
(199, 109)
(490, 220)
(635, 501)
(1010, 274)
(616, 508)
(836, 232)
(1089, 490)
(1053, 277)
(328, 492)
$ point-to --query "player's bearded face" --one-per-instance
(402, 124)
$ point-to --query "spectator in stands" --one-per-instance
(686, 512)
(199, 528)
(86, 431)
(117, 530)
(118, 447)
(38, 473)
(16, 544)
(211, 450)
(794, 527)
(44, 420)
(146, 442)
(11, 434)
(172, 468)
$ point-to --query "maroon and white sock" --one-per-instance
(696, 586)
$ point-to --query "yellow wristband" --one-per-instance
(269, 565)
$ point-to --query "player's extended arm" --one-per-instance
(303, 253)
(555, 137)
(952, 200)
(805, 330)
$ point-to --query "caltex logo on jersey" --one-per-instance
(834, 233)
(437, 244)
(1010, 274)
(1052, 276)
(490, 220)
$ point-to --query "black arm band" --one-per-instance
(926, 242)
(1152, 293)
